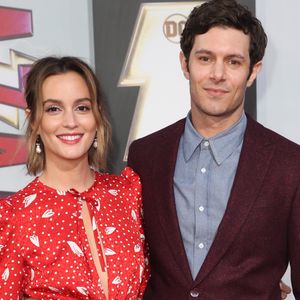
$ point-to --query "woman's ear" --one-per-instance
(27, 112)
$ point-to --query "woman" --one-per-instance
(72, 233)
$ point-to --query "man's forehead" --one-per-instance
(223, 37)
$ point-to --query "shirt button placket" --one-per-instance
(201, 245)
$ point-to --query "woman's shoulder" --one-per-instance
(20, 197)
(124, 188)
(5, 211)
(126, 183)
(126, 177)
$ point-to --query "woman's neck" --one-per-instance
(64, 177)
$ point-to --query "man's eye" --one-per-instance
(234, 62)
(204, 58)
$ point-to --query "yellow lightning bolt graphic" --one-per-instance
(152, 63)
(9, 72)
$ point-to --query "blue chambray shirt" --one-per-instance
(204, 174)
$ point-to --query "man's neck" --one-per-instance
(209, 126)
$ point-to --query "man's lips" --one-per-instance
(216, 91)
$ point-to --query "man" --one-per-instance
(221, 192)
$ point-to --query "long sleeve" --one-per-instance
(146, 274)
(11, 265)
(294, 244)
(137, 214)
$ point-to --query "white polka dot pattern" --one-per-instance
(44, 251)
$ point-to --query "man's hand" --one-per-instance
(285, 290)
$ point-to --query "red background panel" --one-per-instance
(12, 150)
(15, 23)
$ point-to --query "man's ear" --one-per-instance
(255, 70)
(184, 65)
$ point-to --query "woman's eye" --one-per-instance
(83, 108)
(52, 108)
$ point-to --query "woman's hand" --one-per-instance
(285, 290)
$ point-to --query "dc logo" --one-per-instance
(173, 27)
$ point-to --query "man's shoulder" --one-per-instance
(141, 150)
(259, 132)
(171, 131)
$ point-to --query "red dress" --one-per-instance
(44, 251)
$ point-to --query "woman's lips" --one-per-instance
(70, 138)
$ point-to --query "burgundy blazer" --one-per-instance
(257, 237)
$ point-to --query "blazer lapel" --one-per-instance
(165, 202)
(253, 165)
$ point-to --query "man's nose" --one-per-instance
(218, 71)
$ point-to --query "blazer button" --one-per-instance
(194, 293)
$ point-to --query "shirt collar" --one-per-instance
(222, 145)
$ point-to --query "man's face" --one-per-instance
(218, 72)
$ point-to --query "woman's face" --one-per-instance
(68, 125)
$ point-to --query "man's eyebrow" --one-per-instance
(208, 52)
(203, 51)
(235, 55)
